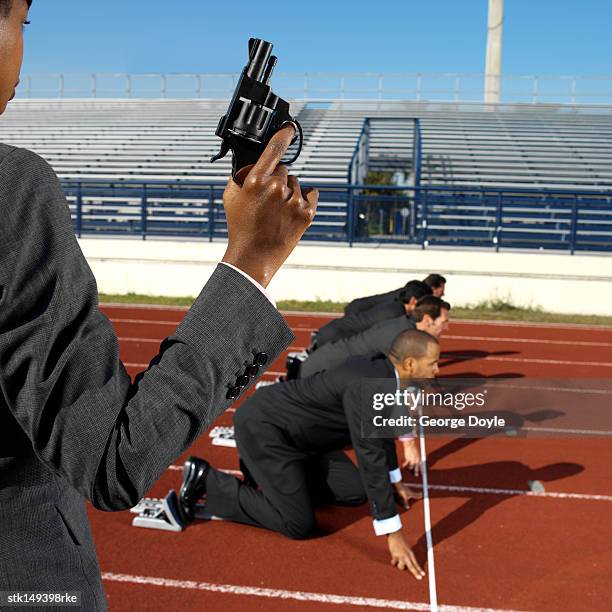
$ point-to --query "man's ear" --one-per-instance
(410, 305)
(408, 365)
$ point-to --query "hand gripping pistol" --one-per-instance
(255, 113)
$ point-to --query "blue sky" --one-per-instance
(554, 37)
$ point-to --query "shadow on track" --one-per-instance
(512, 475)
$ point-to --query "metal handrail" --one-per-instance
(363, 144)
(450, 188)
(425, 215)
(379, 86)
(417, 153)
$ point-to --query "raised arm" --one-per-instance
(60, 372)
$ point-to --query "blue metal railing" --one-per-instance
(417, 152)
(423, 216)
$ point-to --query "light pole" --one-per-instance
(494, 51)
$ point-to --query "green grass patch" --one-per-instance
(489, 310)
(311, 306)
(134, 298)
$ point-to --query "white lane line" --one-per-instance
(431, 568)
(520, 387)
(480, 490)
(519, 324)
(528, 360)
(549, 388)
(326, 598)
(505, 359)
(456, 322)
(578, 432)
(514, 492)
(493, 358)
(467, 357)
(527, 340)
(446, 337)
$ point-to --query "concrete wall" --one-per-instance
(556, 282)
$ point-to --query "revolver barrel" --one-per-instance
(260, 51)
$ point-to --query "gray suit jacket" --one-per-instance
(73, 426)
(365, 303)
(376, 339)
(349, 325)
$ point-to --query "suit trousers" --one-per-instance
(282, 484)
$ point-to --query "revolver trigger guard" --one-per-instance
(300, 133)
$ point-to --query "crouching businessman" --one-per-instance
(291, 437)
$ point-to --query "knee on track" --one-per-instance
(300, 529)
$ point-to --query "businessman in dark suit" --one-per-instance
(73, 426)
(349, 325)
(291, 437)
(430, 315)
(362, 304)
(435, 281)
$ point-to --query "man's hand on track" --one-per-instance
(402, 557)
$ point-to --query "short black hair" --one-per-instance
(434, 280)
(414, 289)
(429, 305)
(411, 343)
(6, 5)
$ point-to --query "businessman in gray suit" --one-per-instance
(430, 315)
(73, 426)
(349, 325)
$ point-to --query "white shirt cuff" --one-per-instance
(407, 436)
(395, 475)
(386, 526)
(268, 296)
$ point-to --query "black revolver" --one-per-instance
(255, 113)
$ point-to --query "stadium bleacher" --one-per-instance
(471, 154)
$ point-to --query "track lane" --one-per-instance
(468, 558)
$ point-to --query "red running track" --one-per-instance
(495, 546)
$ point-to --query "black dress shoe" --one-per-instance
(193, 488)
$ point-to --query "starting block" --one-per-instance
(155, 513)
(223, 436)
(294, 364)
(536, 486)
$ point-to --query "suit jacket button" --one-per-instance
(243, 381)
(261, 359)
(251, 370)
(233, 393)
